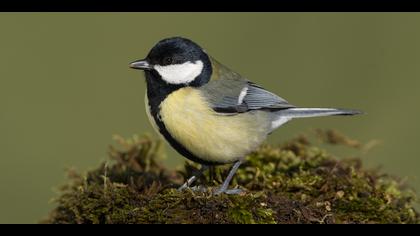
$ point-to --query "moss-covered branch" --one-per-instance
(295, 182)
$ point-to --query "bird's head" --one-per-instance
(177, 61)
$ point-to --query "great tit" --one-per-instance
(209, 113)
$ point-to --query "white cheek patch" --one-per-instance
(180, 73)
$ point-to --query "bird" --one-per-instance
(209, 113)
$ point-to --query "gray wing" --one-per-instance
(230, 93)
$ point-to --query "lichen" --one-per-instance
(294, 182)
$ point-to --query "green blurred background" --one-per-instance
(65, 85)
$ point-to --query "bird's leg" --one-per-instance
(225, 185)
(193, 178)
(212, 174)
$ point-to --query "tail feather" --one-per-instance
(285, 115)
(315, 112)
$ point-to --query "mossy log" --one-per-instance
(295, 182)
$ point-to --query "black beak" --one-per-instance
(140, 65)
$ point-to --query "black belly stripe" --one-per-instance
(157, 91)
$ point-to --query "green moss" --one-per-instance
(295, 182)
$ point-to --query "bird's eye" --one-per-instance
(167, 60)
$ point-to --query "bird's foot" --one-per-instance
(232, 191)
(225, 185)
(216, 191)
(199, 188)
(183, 187)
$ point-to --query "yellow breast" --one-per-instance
(210, 135)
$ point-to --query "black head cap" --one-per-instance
(176, 50)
